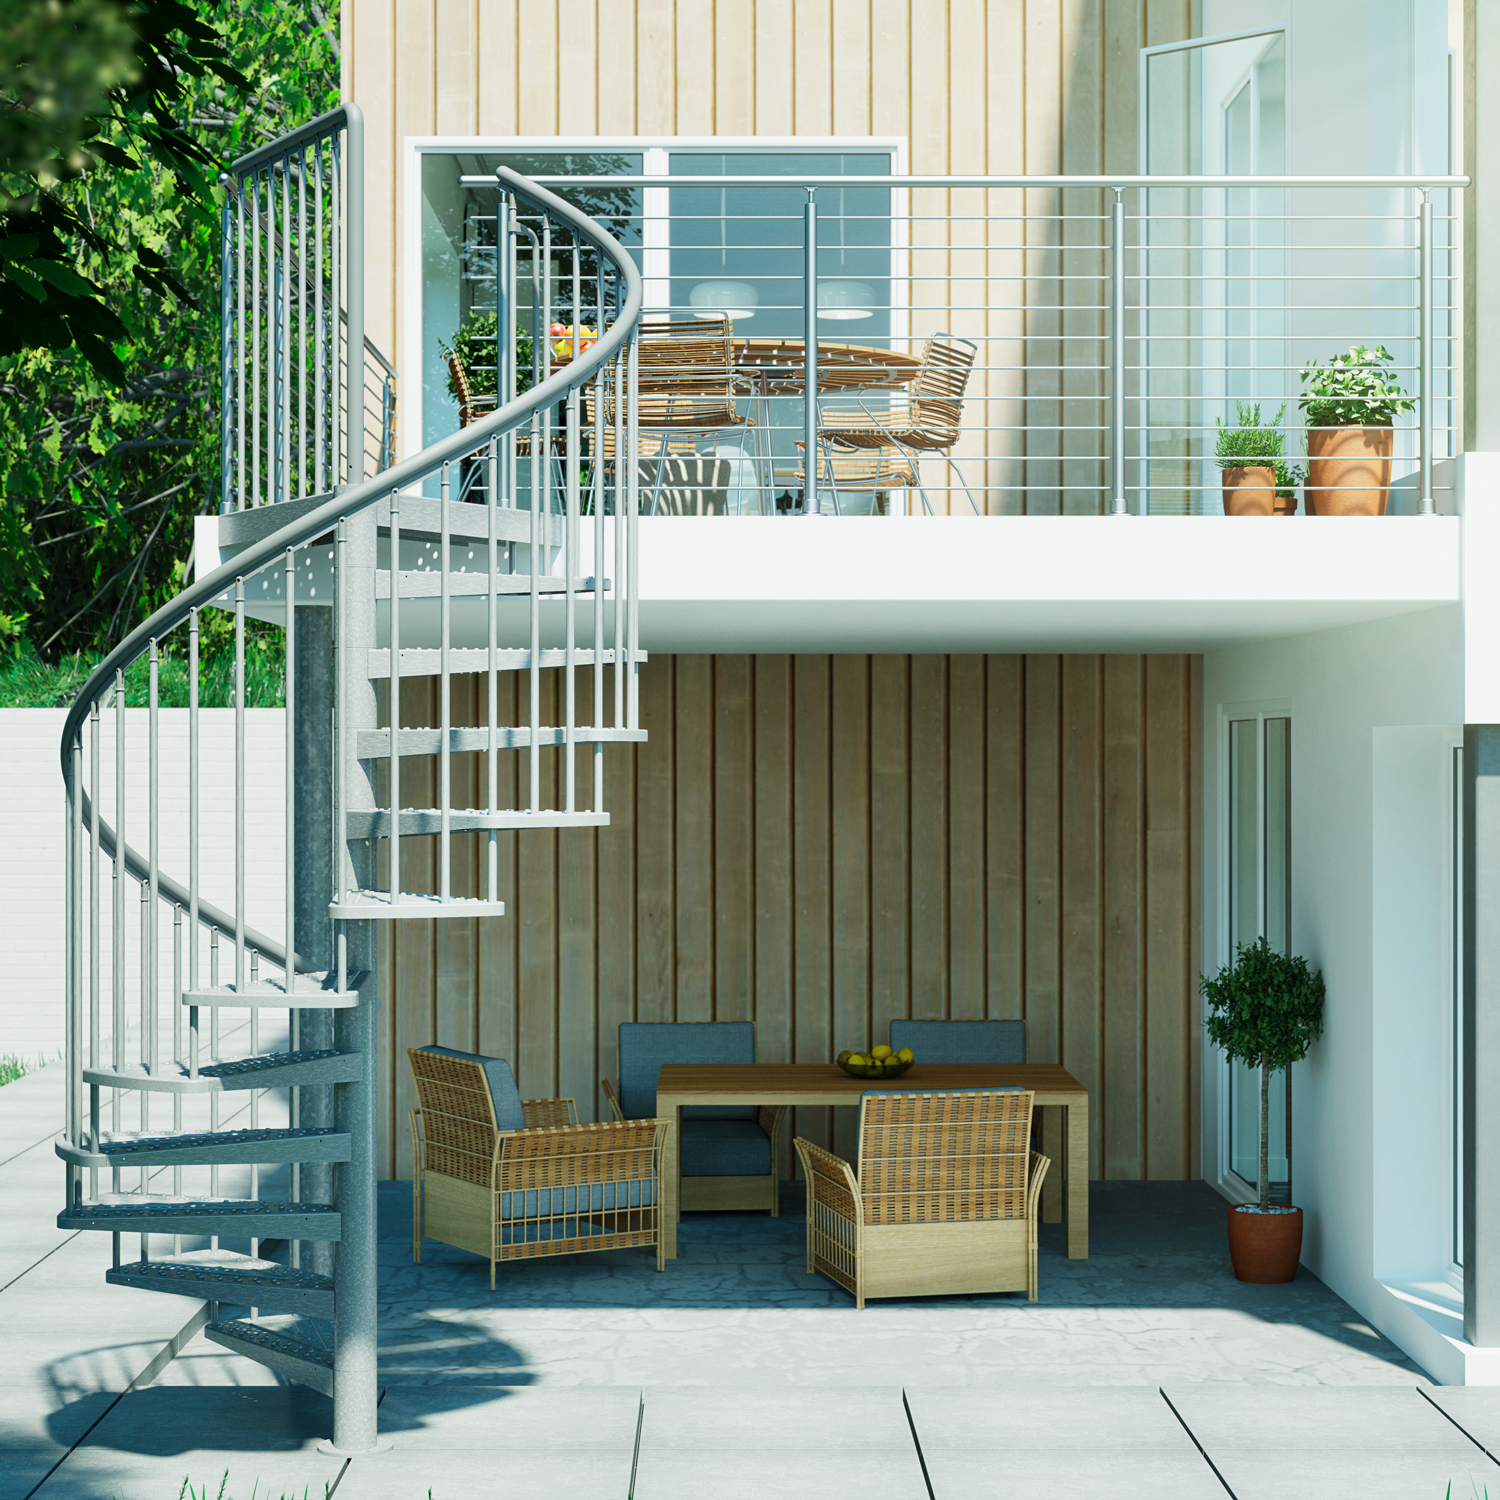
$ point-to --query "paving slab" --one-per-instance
(771, 1473)
(1391, 1474)
(471, 1474)
(1476, 1409)
(1140, 1474)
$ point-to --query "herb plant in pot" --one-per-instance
(1257, 480)
(1350, 405)
(1265, 1010)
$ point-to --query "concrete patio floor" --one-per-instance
(1145, 1370)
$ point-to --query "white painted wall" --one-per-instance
(1374, 708)
(33, 954)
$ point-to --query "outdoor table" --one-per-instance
(810, 1084)
(776, 365)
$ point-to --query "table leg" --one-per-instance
(1053, 1128)
(1078, 1179)
(671, 1166)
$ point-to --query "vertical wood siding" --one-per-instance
(820, 844)
(974, 86)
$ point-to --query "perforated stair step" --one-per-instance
(311, 992)
(242, 1217)
(268, 1071)
(211, 1147)
(292, 1357)
(223, 1276)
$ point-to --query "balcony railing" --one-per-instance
(1113, 324)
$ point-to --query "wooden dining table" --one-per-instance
(1057, 1094)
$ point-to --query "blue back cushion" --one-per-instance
(961, 1041)
(505, 1097)
(646, 1045)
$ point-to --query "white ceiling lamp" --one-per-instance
(711, 299)
(845, 300)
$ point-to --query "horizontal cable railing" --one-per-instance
(1012, 345)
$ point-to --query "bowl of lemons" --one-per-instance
(878, 1062)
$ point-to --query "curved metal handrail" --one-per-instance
(314, 523)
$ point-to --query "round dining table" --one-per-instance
(777, 366)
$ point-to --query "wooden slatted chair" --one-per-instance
(925, 418)
(513, 1179)
(728, 1152)
(945, 1200)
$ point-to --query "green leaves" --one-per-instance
(1264, 1008)
(476, 345)
(1357, 389)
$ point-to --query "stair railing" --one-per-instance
(534, 574)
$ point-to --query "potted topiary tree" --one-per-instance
(1350, 405)
(1265, 1010)
(1257, 480)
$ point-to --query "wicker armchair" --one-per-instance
(728, 1153)
(512, 1179)
(945, 1200)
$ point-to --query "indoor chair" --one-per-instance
(511, 1179)
(728, 1153)
(945, 1200)
(986, 1042)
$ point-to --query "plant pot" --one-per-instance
(1265, 1248)
(1250, 490)
(1348, 470)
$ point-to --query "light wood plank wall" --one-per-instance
(823, 843)
(975, 86)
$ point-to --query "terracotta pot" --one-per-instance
(1265, 1247)
(1250, 490)
(1348, 470)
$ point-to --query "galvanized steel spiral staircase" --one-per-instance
(239, 1106)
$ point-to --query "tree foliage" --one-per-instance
(115, 116)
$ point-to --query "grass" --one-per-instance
(14, 1066)
(27, 681)
(187, 1492)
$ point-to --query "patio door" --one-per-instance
(1258, 888)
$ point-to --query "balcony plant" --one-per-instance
(1265, 1010)
(1257, 479)
(476, 346)
(1350, 406)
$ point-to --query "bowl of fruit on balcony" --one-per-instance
(878, 1062)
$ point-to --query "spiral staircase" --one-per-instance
(221, 1102)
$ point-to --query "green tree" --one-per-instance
(1265, 1010)
(108, 430)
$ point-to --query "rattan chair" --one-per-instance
(728, 1152)
(513, 1179)
(925, 418)
(945, 1200)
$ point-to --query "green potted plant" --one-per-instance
(1350, 406)
(477, 352)
(1257, 479)
(1265, 1010)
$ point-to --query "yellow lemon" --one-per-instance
(858, 1060)
(904, 1055)
(881, 1052)
(844, 1056)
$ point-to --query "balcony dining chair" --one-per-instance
(728, 1153)
(925, 418)
(961, 1041)
(470, 408)
(512, 1179)
(944, 1200)
(874, 473)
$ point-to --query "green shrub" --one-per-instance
(1357, 389)
(475, 344)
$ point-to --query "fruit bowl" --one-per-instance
(863, 1065)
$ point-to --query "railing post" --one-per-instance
(1117, 506)
(1424, 341)
(810, 356)
(228, 341)
(354, 285)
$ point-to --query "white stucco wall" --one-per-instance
(33, 955)
(1375, 709)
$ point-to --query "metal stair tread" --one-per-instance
(223, 1266)
(318, 991)
(238, 1073)
(426, 661)
(377, 906)
(426, 583)
(418, 822)
(263, 1144)
(165, 1205)
(375, 744)
(310, 1364)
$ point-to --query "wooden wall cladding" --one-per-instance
(822, 843)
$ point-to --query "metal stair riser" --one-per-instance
(335, 1068)
(241, 1289)
(240, 1148)
(266, 1222)
(290, 1357)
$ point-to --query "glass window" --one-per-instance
(1260, 904)
(1456, 1121)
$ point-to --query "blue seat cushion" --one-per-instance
(646, 1045)
(505, 1097)
(985, 1042)
(724, 1148)
(587, 1197)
